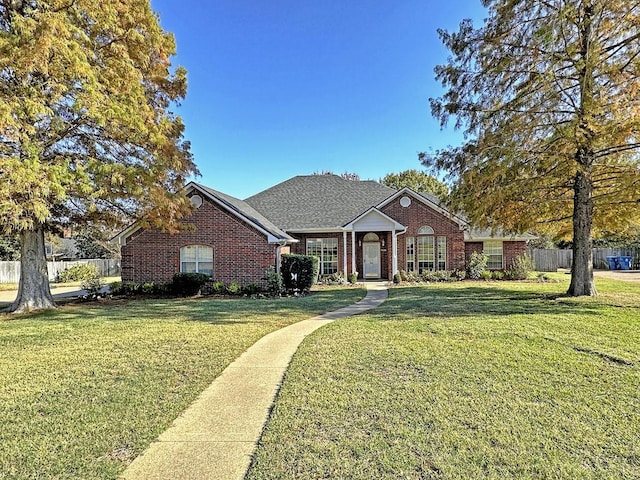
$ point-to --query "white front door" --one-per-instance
(371, 259)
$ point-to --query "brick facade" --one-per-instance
(240, 252)
(510, 251)
(418, 215)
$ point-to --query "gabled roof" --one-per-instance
(243, 210)
(428, 199)
(318, 201)
(234, 206)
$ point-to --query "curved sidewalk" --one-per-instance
(215, 437)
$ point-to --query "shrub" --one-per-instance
(234, 288)
(520, 268)
(116, 288)
(131, 288)
(148, 288)
(77, 273)
(397, 278)
(334, 279)
(218, 288)
(459, 274)
(485, 275)
(299, 272)
(92, 286)
(476, 265)
(188, 284)
(497, 274)
(353, 277)
(251, 289)
(275, 286)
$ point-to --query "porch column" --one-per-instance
(394, 249)
(344, 253)
(353, 250)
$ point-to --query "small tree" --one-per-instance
(416, 180)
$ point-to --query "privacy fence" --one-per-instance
(10, 271)
(550, 260)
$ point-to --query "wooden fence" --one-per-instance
(10, 271)
(550, 260)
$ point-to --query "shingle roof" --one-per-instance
(246, 211)
(318, 201)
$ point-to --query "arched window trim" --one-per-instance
(371, 237)
(426, 230)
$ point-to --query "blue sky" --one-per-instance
(284, 87)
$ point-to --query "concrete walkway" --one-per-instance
(215, 437)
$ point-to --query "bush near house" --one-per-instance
(476, 265)
(299, 272)
(78, 273)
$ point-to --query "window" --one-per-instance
(426, 254)
(426, 230)
(493, 249)
(326, 249)
(442, 253)
(196, 259)
(411, 263)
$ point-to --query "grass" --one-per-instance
(86, 388)
(465, 381)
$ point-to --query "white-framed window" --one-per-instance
(411, 256)
(426, 254)
(442, 253)
(493, 249)
(326, 249)
(196, 259)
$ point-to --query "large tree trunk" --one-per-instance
(34, 292)
(582, 268)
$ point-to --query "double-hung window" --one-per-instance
(426, 252)
(196, 259)
(493, 249)
(326, 249)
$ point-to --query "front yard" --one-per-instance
(85, 389)
(466, 381)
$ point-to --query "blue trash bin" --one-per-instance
(624, 262)
(613, 263)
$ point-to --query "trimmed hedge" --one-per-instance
(188, 284)
(300, 272)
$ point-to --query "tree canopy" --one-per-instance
(548, 95)
(86, 130)
(418, 181)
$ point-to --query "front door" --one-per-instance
(371, 259)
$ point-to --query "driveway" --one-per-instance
(627, 275)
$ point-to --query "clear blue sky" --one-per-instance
(283, 87)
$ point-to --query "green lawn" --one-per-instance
(466, 381)
(86, 388)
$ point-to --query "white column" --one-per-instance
(353, 251)
(344, 254)
(394, 248)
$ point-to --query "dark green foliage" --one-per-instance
(9, 248)
(275, 286)
(476, 265)
(353, 277)
(77, 273)
(299, 272)
(251, 289)
(93, 244)
(188, 284)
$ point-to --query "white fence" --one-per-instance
(552, 259)
(10, 271)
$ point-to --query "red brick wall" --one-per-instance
(510, 251)
(418, 215)
(240, 252)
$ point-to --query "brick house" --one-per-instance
(352, 226)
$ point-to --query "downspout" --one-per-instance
(344, 253)
(281, 245)
(394, 240)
